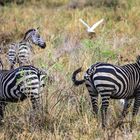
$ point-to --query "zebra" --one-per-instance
(112, 82)
(19, 84)
(21, 52)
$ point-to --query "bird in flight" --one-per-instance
(91, 29)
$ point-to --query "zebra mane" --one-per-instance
(30, 30)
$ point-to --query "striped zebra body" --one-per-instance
(12, 53)
(110, 81)
(21, 52)
(19, 84)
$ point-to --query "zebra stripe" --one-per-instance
(21, 52)
(19, 84)
(110, 81)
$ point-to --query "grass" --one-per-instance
(68, 48)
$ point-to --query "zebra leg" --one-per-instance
(105, 104)
(94, 98)
(12, 55)
(135, 109)
(12, 63)
(136, 106)
(12, 66)
(2, 109)
(37, 106)
(127, 104)
(125, 111)
(20, 61)
(37, 103)
(20, 64)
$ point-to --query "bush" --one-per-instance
(96, 3)
(4, 2)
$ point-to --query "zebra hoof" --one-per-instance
(103, 126)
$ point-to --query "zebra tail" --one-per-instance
(75, 81)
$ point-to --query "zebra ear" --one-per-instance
(38, 28)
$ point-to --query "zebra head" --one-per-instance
(34, 36)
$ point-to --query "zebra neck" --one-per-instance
(26, 40)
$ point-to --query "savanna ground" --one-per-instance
(69, 115)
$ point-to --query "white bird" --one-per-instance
(91, 29)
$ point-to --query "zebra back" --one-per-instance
(20, 83)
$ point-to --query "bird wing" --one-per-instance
(96, 24)
(84, 23)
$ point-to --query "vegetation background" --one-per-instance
(68, 113)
